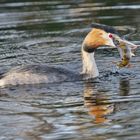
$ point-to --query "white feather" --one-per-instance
(89, 65)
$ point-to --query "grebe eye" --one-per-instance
(110, 36)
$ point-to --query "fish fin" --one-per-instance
(132, 54)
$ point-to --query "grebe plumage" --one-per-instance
(35, 74)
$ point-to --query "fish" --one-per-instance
(126, 50)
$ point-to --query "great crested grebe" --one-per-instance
(35, 74)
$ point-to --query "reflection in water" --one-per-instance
(124, 87)
(94, 102)
(100, 104)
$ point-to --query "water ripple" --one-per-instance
(52, 32)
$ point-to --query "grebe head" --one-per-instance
(95, 38)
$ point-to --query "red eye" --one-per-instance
(110, 35)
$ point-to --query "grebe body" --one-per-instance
(35, 74)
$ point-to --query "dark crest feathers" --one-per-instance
(108, 29)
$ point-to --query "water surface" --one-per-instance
(37, 32)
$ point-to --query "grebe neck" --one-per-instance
(90, 69)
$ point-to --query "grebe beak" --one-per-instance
(97, 38)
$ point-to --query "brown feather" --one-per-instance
(95, 39)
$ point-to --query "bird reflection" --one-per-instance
(97, 104)
(100, 104)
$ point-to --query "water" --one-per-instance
(36, 32)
